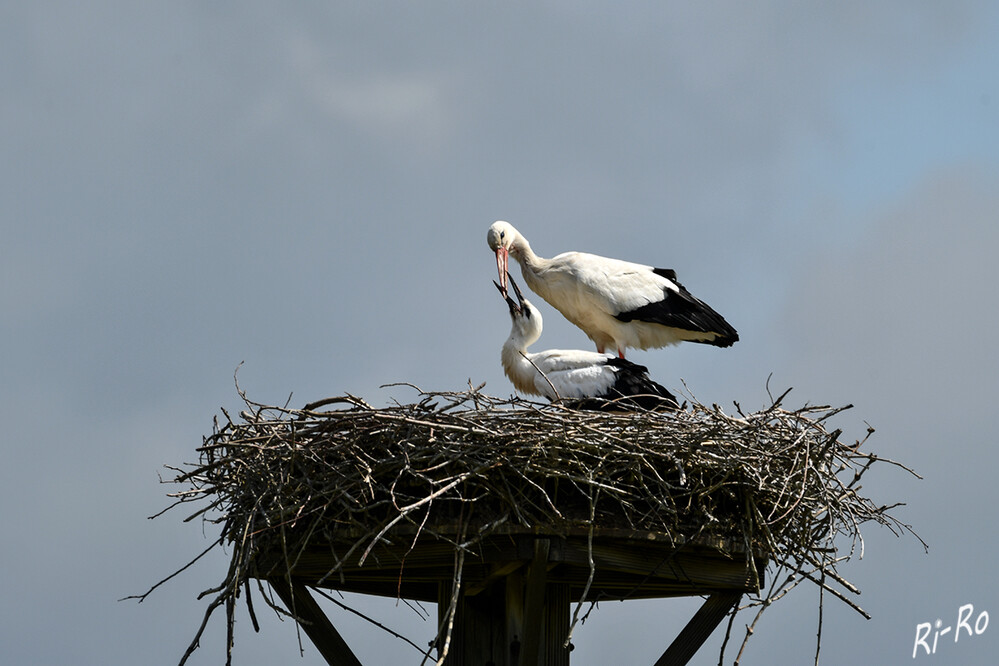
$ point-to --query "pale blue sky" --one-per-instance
(306, 189)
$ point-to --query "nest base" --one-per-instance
(506, 513)
(597, 565)
(517, 588)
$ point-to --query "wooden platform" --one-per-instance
(518, 585)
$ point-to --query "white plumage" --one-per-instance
(618, 304)
(588, 378)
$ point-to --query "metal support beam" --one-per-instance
(317, 626)
(705, 620)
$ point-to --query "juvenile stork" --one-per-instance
(587, 380)
(618, 304)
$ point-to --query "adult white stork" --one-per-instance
(587, 380)
(618, 304)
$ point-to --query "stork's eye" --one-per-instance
(502, 235)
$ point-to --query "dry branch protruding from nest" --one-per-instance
(776, 482)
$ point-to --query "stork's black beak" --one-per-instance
(514, 308)
(516, 289)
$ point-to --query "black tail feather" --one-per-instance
(634, 389)
(681, 309)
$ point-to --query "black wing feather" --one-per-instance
(681, 309)
(632, 389)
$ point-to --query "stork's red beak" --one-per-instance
(502, 258)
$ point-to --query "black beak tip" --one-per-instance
(516, 289)
(514, 308)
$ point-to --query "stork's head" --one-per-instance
(502, 239)
(527, 322)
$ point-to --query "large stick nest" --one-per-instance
(777, 483)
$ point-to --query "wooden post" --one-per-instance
(317, 626)
(518, 620)
(534, 604)
(557, 602)
(478, 637)
(514, 617)
(692, 636)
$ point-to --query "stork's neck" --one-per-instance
(525, 255)
(532, 267)
(525, 331)
(517, 367)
